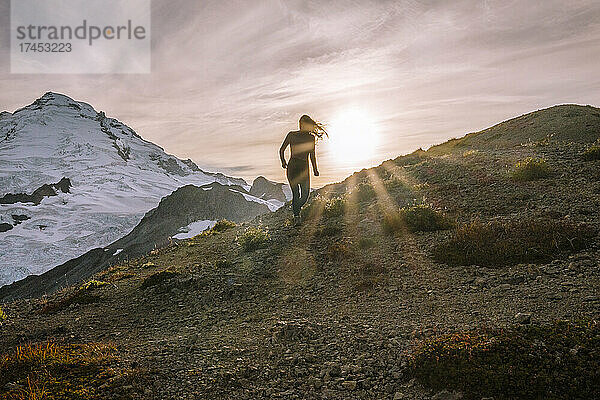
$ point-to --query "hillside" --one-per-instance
(431, 276)
(563, 123)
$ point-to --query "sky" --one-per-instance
(230, 78)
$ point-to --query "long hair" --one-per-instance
(319, 129)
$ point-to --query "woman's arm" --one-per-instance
(313, 160)
(284, 145)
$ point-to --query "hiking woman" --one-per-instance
(302, 145)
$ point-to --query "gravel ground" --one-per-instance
(298, 320)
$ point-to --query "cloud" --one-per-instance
(230, 78)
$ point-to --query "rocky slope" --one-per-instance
(115, 176)
(334, 308)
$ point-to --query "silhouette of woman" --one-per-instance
(302, 145)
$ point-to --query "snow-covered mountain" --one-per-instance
(114, 176)
(266, 189)
(182, 214)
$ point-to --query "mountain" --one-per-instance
(176, 216)
(430, 276)
(266, 189)
(358, 303)
(183, 214)
(565, 123)
(114, 176)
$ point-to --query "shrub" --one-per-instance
(530, 169)
(92, 284)
(149, 265)
(253, 239)
(364, 192)
(219, 227)
(392, 222)
(413, 158)
(83, 295)
(424, 218)
(333, 207)
(499, 243)
(419, 218)
(223, 225)
(555, 361)
(158, 278)
(2, 315)
(470, 153)
(592, 153)
(120, 275)
(383, 173)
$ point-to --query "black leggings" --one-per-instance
(299, 178)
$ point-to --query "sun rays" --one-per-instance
(298, 262)
(294, 271)
(395, 189)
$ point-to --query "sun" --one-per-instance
(353, 137)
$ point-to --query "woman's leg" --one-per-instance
(295, 198)
(304, 190)
(299, 178)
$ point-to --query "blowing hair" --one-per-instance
(319, 129)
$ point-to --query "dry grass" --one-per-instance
(556, 361)
(93, 284)
(363, 192)
(530, 169)
(253, 239)
(223, 225)
(120, 275)
(510, 242)
(53, 370)
(220, 227)
(325, 207)
(419, 218)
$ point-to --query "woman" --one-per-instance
(302, 145)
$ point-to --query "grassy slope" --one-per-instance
(334, 307)
(569, 123)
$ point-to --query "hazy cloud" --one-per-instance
(230, 78)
